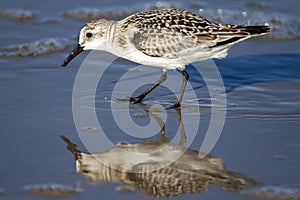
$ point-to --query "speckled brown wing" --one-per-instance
(169, 33)
(174, 33)
(166, 43)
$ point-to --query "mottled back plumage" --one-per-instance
(173, 32)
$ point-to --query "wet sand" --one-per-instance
(262, 142)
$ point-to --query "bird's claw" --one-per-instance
(135, 100)
(175, 105)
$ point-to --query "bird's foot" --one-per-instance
(175, 105)
(135, 99)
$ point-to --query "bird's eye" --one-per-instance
(89, 35)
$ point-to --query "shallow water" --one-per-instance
(260, 140)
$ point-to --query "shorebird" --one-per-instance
(169, 39)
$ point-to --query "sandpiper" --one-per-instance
(169, 39)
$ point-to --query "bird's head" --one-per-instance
(93, 35)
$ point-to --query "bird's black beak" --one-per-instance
(77, 50)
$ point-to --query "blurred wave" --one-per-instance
(36, 48)
(18, 15)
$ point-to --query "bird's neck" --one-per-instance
(111, 31)
(104, 43)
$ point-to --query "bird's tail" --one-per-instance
(255, 30)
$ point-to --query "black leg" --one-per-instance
(139, 98)
(183, 85)
(181, 125)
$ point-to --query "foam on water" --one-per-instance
(18, 15)
(36, 48)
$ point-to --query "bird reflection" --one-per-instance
(186, 175)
